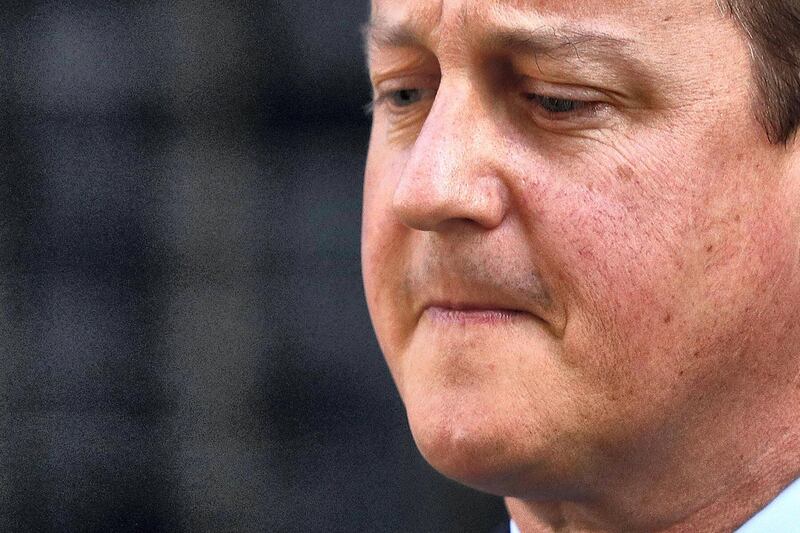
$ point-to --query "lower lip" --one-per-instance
(445, 315)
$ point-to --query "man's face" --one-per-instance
(578, 249)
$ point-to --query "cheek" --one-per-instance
(371, 222)
(380, 230)
(610, 254)
(383, 260)
(617, 248)
(658, 266)
(621, 299)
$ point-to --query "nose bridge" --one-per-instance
(445, 144)
(450, 173)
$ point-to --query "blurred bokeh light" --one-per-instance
(185, 345)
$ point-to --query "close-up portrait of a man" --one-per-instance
(581, 254)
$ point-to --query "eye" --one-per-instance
(557, 105)
(405, 97)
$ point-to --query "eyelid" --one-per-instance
(563, 91)
(398, 83)
(593, 112)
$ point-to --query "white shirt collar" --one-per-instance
(780, 516)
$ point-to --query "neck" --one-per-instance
(717, 486)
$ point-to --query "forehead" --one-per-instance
(435, 16)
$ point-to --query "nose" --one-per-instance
(452, 173)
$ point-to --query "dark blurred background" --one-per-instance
(185, 345)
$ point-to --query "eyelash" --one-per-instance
(555, 106)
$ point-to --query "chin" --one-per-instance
(490, 442)
(466, 442)
(486, 415)
(472, 456)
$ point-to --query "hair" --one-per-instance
(773, 28)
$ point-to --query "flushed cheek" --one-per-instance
(624, 288)
(619, 274)
(653, 293)
(608, 253)
(610, 225)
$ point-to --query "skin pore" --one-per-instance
(581, 257)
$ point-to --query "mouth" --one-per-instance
(471, 314)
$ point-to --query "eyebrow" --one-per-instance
(377, 32)
(547, 40)
(551, 40)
